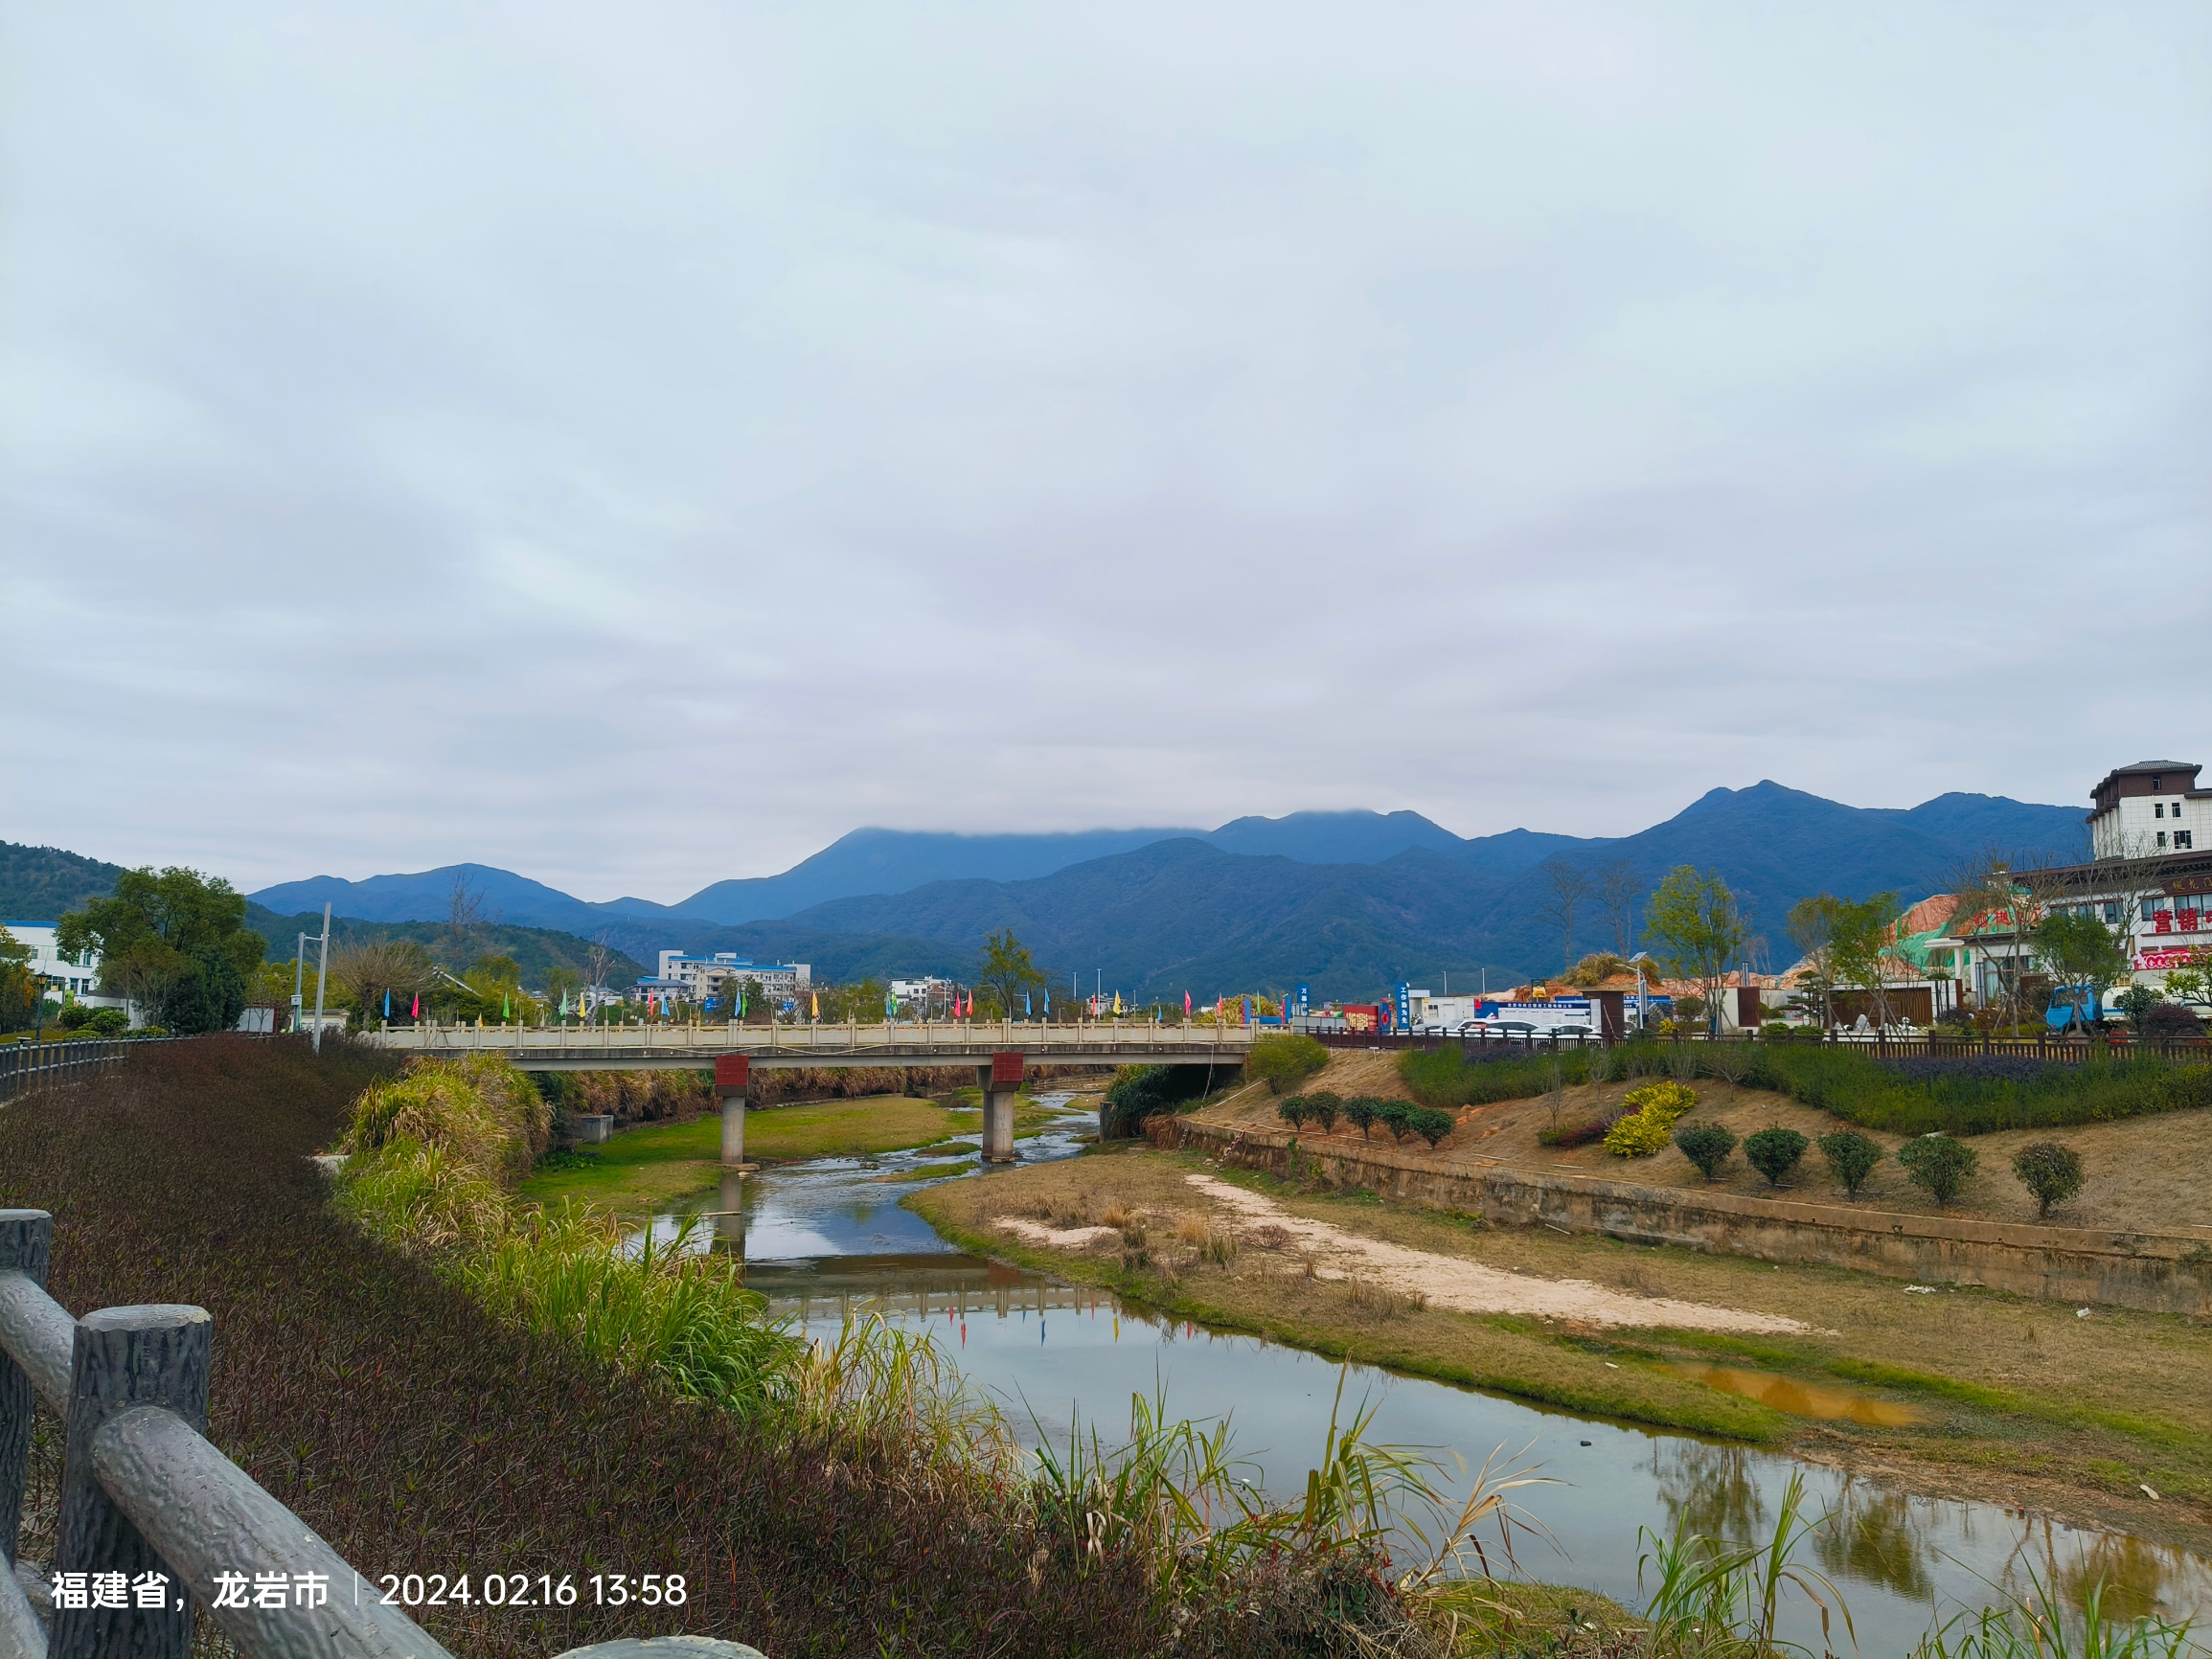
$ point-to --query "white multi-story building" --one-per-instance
(62, 978)
(697, 978)
(2151, 807)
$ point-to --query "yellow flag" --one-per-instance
(817, 1005)
(1117, 1002)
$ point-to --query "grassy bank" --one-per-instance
(644, 1167)
(2017, 1397)
(419, 1431)
(1965, 1094)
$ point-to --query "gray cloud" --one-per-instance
(635, 446)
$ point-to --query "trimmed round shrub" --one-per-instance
(1851, 1158)
(1939, 1164)
(1361, 1111)
(72, 1016)
(1706, 1146)
(1322, 1108)
(1430, 1124)
(1397, 1116)
(1293, 1111)
(2168, 1022)
(2051, 1172)
(1775, 1152)
(1283, 1061)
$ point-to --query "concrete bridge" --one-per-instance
(998, 1051)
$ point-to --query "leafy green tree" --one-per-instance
(1396, 1116)
(1698, 926)
(1939, 1164)
(18, 984)
(1811, 925)
(175, 941)
(1861, 941)
(2137, 1001)
(1775, 1152)
(2078, 948)
(1851, 1158)
(1007, 972)
(1430, 1124)
(1322, 1108)
(1363, 1111)
(2052, 1175)
(1293, 1111)
(1706, 1146)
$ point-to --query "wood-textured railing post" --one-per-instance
(25, 1239)
(126, 1357)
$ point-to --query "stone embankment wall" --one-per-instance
(2158, 1273)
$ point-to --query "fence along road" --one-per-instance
(146, 1496)
(696, 1047)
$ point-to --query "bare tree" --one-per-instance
(1617, 892)
(464, 913)
(597, 965)
(398, 966)
(1566, 888)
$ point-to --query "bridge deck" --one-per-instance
(694, 1048)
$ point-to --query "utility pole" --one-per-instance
(322, 971)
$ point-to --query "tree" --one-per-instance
(1698, 926)
(1007, 972)
(2079, 949)
(1396, 1116)
(175, 941)
(1361, 1111)
(1293, 1111)
(1617, 886)
(2192, 981)
(2051, 1173)
(1775, 1152)
(1322, 1108)
(1564, 888)
(463, 914)
(1851, 1158)
(19, 991)
(1861, 935)
(365, 972)
(1939, 1164)
(1706, 1146)
(1430, 1124)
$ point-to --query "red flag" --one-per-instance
(1186, 1005)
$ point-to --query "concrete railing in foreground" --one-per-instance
(156, 1521)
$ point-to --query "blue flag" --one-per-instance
(387, 1003)
(1026, 1010)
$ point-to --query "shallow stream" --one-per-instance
(829, 1236)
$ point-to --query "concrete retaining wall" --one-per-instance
(2156, 1272)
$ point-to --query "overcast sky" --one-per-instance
(636, 444)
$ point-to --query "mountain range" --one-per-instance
(1346, 903)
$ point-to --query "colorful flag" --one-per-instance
(417, 1014)
(817, 1005)
(1117, 1002)
(387, 1002)
(503, 1007)
(1026, 1010)
(1186, 1005)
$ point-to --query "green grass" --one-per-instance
(665, 1160)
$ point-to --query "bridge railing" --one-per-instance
(823, 1038)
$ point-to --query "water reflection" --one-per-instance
(827, 1239)
(1710, 1489)
(1799, 1399)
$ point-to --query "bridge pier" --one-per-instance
(998, 1080)
(733, 1075)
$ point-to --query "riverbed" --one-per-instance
(828, 1237)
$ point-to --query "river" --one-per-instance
(825, 1237)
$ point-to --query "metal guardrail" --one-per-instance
(154, 1519)
(22, 1064)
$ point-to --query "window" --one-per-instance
(2112, 914)
(2161, 837)
(2181, 838)
(2157, 809)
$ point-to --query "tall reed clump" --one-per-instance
(430, 1157)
